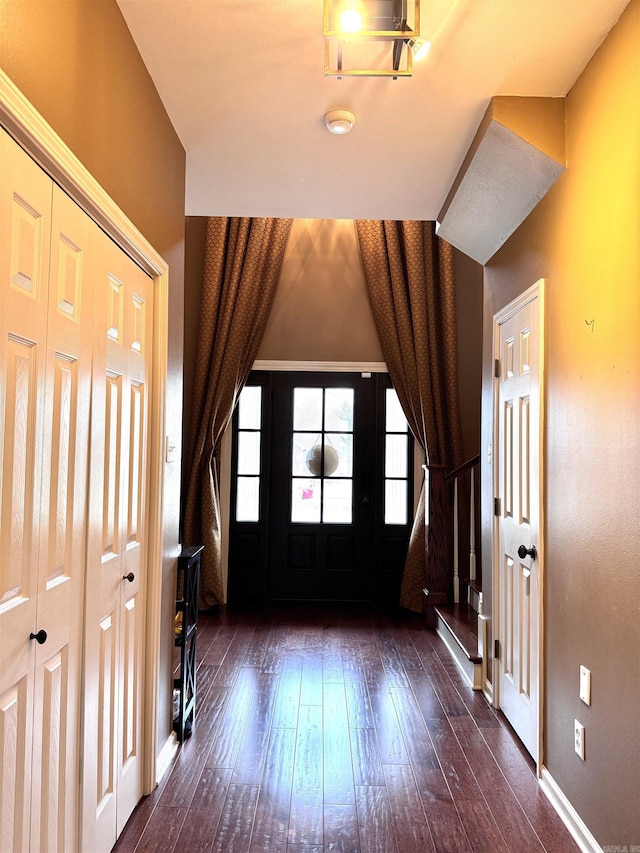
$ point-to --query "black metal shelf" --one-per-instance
(187, 605)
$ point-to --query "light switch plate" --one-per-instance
(585, 685)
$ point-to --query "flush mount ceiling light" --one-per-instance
(339, 121)
(371, 38)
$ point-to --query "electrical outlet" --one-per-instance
(578, 738)
(585, 685)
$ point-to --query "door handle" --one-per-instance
(40, 637)
(527, 552)
(130, 577)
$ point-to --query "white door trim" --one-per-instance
(537, 290)
(322, 366)
(23, 122)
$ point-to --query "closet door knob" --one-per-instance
(527, 552)
(40, 637)
(130, 577)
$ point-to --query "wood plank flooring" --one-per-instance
(345, 729)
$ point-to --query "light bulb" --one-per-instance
(419, 48)
(350, 21)
(339, 121)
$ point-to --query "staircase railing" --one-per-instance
(442, 534)
(455, 477)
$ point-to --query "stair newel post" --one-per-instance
(472, 528)
(438, 536)
(456, 567)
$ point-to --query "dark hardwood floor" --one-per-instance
(335, 728)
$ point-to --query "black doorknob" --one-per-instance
(527, 552)
(130, 577)
(40, 637)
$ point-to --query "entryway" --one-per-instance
(322, 488)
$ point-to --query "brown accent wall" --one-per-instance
(584, 240)
(78, 65)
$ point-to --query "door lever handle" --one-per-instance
(40, 637)
(130, 577)
(527, 552)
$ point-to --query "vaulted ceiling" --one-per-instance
(243, 83)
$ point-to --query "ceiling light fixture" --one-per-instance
(371, 38)
(419, 48)
(339, 121)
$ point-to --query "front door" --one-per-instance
(518, 339)
(329, 518)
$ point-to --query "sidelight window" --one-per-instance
(248, 464)
(396, 460)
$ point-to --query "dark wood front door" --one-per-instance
(328, 514)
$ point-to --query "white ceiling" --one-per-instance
(243, 83)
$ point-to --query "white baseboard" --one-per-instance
(569, 816)
(487, 691)
(469, 670)
(165, 756)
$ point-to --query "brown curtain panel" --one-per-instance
(410, 279)
(243, 259)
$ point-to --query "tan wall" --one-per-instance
(584, 239)
(321, 311)
(78, 65)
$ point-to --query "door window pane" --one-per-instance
(395, 456)
(337, 502)
(249, 407)
(307, 408)
(248, 499)
(338, 453)
(303, 461)
(338, 409)
(395, 502)
(395, 420)
(248, 453)
(305, 500)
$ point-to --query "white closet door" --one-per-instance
(46, 376)
(54, 808)
(112, 783)
(25, 229)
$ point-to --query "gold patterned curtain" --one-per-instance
(243, 259)
(410, 279)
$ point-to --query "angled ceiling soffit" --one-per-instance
(516, 156)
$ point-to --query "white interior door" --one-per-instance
(25, 233)
(45, 353)
(517, 336)
(116, 552)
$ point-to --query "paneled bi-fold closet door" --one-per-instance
(112, 771)
(46, 319)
